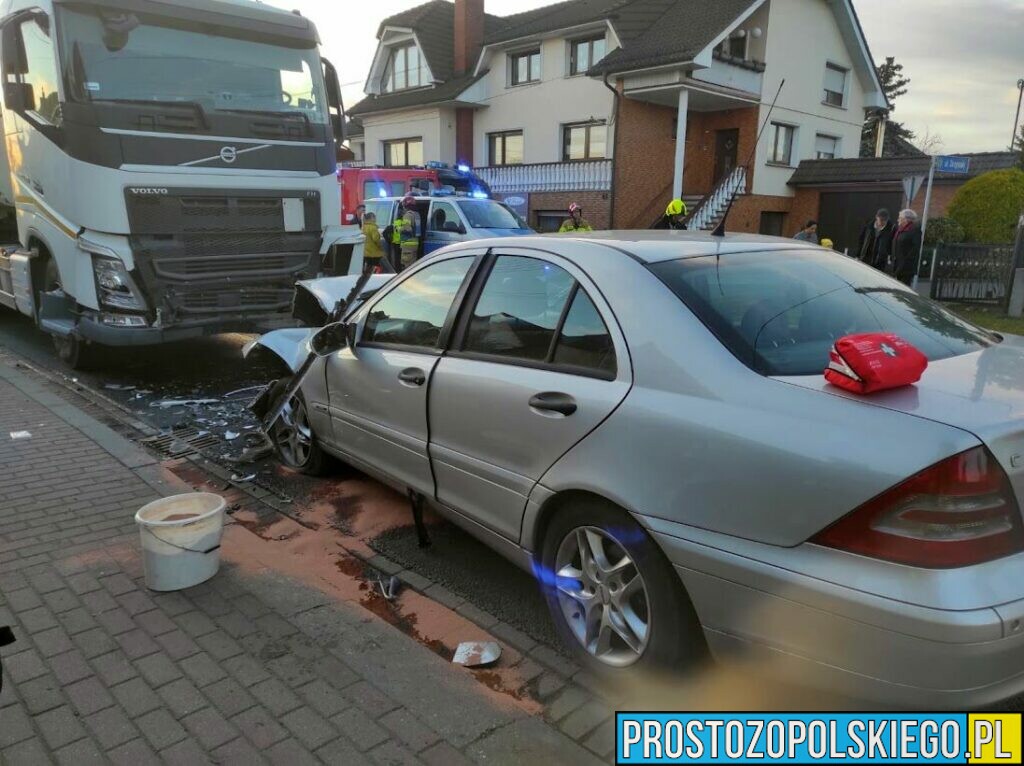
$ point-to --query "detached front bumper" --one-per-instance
(842, 639)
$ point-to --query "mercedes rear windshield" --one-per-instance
(779, 312)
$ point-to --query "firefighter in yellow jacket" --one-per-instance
(407, 231)
(575, 222)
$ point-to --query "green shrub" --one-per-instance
(987, 207)
(943, 229)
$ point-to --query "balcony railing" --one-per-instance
(589, 175)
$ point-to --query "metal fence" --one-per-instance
(970, 273)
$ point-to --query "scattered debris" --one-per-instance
(165, 403)
(118, 387)
(15, 435)
(235, 477)
(230, 394)
(231, 435)
(477, 654)
(389, 589)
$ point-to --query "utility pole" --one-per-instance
(1016, 120)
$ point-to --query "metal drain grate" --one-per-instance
(182, 442)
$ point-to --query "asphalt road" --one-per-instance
(206, 384)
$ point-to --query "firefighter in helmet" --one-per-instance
(407, 231)
(675, 216)
(575, 222)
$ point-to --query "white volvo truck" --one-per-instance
(172, 165)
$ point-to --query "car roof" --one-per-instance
(654, 246)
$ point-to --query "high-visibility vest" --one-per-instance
(569, 225)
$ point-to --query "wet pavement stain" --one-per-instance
(496, 682)
(388, 611)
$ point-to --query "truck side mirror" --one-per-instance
(335, 106)
(19, 96)
(14, 60)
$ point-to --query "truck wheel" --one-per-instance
(71, 350)
(294, 442)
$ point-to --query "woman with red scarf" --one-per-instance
(906, 246)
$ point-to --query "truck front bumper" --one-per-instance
(92, 329)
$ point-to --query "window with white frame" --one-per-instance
(524, 67)
(583, 54)
(404, 69)
(735, 45)
(835, 84)
(826, 147)
(782, 144)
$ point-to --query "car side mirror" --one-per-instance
(332, 338)
(454, 227)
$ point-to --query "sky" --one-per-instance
(963, 57)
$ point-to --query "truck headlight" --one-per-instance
(115, 287)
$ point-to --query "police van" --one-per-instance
(446, 218)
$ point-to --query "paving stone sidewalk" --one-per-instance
(243, 669)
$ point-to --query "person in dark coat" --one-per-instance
(875, 246)
(906, 246)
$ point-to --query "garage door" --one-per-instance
(843, 214)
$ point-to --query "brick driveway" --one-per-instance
(243, 669)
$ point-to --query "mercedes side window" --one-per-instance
(414, 312)
(519, 309)
(584, 341)
(39, 70)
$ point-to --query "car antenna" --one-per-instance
(720, 229)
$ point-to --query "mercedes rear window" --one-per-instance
(780, 312)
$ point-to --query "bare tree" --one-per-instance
(930, 143)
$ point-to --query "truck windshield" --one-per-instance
(488, 214)
(118, 61)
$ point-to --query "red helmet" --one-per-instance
(573, 208)
(408, 200)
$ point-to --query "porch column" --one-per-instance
(684, 105)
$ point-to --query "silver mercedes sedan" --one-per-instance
(641, 420)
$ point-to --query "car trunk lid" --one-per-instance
(980, 392)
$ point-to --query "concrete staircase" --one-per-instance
(708, 212)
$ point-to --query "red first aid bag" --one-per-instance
(874, 361)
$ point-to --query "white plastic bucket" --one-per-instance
(181, 539)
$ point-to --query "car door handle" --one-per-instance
(553, 401)
(414, 376)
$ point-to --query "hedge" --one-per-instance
(988, 207)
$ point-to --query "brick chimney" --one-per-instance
(469, 33)
(469, 39)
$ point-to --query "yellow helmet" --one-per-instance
(827, 243)
(676, 207)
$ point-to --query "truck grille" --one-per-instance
(230, 265)
(176, 212)
(234, 299)
(201, 254)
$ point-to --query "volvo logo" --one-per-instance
(146, 190)
(229, 154)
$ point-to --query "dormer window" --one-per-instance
(404, 70)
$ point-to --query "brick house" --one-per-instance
(843, 194)
(622, 104)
